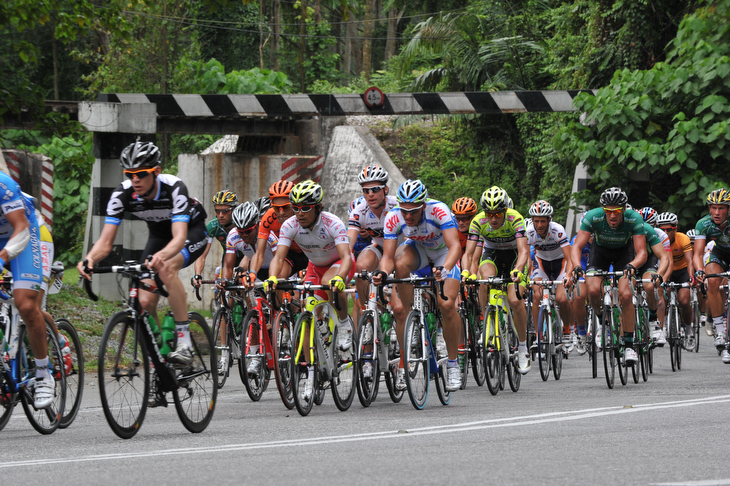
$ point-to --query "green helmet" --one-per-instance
(307, 192)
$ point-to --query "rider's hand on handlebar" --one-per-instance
(249, 279)
(629, 270)
(657, 279)
(270, 282)
(379, 277)
(155, 263)
(85, 267)
(516, 275)
(338, 284)
(700, 276)
(196, 280)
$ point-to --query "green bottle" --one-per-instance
(237, 317)
(2, 338)
(168, 334)
(153, 325)
(431, 323)
(386, 321)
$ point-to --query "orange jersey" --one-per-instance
(270, 223)
(679, 247)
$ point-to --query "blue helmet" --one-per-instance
(412, 192)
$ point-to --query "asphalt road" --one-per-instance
(669, 430)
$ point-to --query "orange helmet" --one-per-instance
(464, 206)
(280, 189)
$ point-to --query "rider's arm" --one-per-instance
(523, 254)
(258, 257)
(665, 261)
(387, 263)
(640, 253)
(688, 256)
(352, 233)
(468, 256)
(229, 261)
(277, 262)
(451, 238)
(577, 249)
(179, 235)
(200, 262)
(101, 248)
(20, 237)
(343, 251)
(568, 260)
(699, 254)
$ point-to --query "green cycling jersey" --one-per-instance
(706, 229)
(215, 230)
(595, 222)
(502, 238)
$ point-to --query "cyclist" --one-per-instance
(431, 246)
(224, 202)
(682, 269)
(552, 258)
(20, 250)
(363, 237)
(176, 225)
(506, 254)
(369, 216)
(658, 268)
(700, 296)
(714, 227)
(582, 301)
(619, 240)
(464, 209)
(323, 239)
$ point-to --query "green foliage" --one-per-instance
(670, 121)
(210, 78)
(234, 48)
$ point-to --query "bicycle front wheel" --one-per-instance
(7, 400)
(557, 348)
(197, 389)
(74, 375)
(344, 374)
(513, 374)
(492, 346)
(476, 349)
(673, 337)
(416, 360)
(607, 343)
(303, 395)
(696, 326)
(251, 330)
(220, 319)
(591, 340)
(124, 375)
(368, 358)
(543, 342)
(283, 357)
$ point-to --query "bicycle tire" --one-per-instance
(416, 360)
(440, 380)
(220, 316)
(7, 400)
(591, 334)
(367, 386)
(344, 373)
(300, 372)
(679, 338)
(609, 358)
(492, 358)
(476, 346)
(74, 378)
(696, 326)
(671, 338)
(390, 376)
(513, 374)
(464, 360)
(46, 420)
(644, 363)
(283, 357)
(557, 354)
(250, 328)
(124, 376)
(543, 342)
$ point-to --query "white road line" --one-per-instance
(705, 482)
(520, 421)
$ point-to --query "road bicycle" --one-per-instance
(694, 303)
(549, 331)
(473, 328)
(643, 344)
(131, 341)
(500, 338)
(593, 331)
(314, 345)
(17, 369)
(377, 346)
(724, 290)
(673, 324)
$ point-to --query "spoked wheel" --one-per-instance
(368, 359)
(463, 355)
(45, 420)
(219, 319)
(251, 331)
(476, 353)
(416, 360)
(677, 323)
(607, 343)
(513, 374)
(303, 397)
(283, 357)
(650, 359)
(696, 327)
(557, 355)
(591, 342)
(7, 401)
(492, 346)
(673, 339)
(344, 374)
(124, 376)
(74, 374)
(390, 377)
(543, 343)
(440, 379)
(197, 382)
(644, 362)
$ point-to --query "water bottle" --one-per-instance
(237, 317)
(431, 323)
(168, 334)
(386, 321)
(153, 325)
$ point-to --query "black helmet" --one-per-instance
(139, 155)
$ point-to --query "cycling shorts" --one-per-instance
(314, 274)
(601, 259)
(720, 257)
(651, 265)
(680, 276)
(377, 249)
(503, 260)
(27, 267)
(298, 261)
(427, 259)
(548, 269)
(195, 244)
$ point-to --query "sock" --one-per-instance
(310, 372)
(453, 363)
(182, 328)
(522, 348)
(41, 368)
(581, 330)
(254, 349)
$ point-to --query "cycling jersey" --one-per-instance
(236, 245)
(550, 247)
(320, 242)
(706, 229)
(171, 204)
(584, 254)
(654, 236)
(428, 233)
(595, 222)
(216, 231)
(362, 216)
(681, 245)
(271, 224)
(502, 238)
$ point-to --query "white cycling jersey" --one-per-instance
(550, 247)
(428, 233)
(234, 244)
(666, 242)
(320, 242)
(362, 216)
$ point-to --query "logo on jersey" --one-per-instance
(438, 212)
(8, 195)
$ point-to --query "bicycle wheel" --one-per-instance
(644, 363)
(591, 335)
(300, 363)
(75, 376)
(557, 347)
(678, 323)
(250, 331)
(650, 359)
(124, 376)
(219, 318)
(45, 420)
(513, 374)
(367, 386)
(476, 348)
(696, 326)
(345, 372)
(492, 346)
(463, 356)
(607, 343)
(283, 356)
(672, 338)
(543, 342)
(390, 376)
(416, 360)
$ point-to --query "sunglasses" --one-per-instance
(246, 231)
(372, 190)
(411, 211)
(141, 174)
(668, 228)
(281, 207)
(223, 211)
(613, 211)
(302, 209)
(463, 219)
(497, 214)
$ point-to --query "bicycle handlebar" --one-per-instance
(416, 280)
(126, 270)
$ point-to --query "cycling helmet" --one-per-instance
(718, 196)
(494, 198)
(649, 215)
(541, 208)
(629, 207)
(665, 219)
(412, 192)
(464, 206)
(614, 196)
(372, 173)
(510, 203)
(263, 203)
(280, 189)
(225, 198)
(691, 234)
(140, 155)
(307, 192)
(245, 215)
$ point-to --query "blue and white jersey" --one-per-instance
(429, 232)
(12, 199)
(551, 247)
(361, 216)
